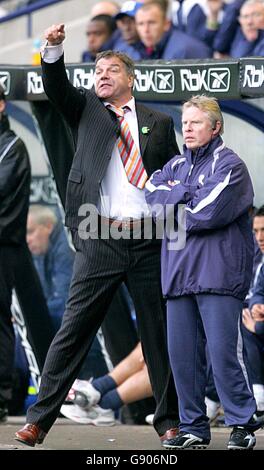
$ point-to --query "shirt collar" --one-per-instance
(131, 104)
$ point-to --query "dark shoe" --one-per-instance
(186, 440)
(3, 413)
(259, 418)
(169, 434)
(30, 434)
(241, 439)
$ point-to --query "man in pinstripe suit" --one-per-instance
(98, 178)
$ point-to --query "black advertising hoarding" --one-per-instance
(178, 81)
(13, 80)
(252, 77)
(155, 80)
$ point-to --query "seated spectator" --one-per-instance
(126, 24)
(256, 307)
(52, 257)
(248, 35)
(161, 41)
(227, 30)
(200, 18)
(259, 21)
(100, 37)
(95, 402)
(253, 320)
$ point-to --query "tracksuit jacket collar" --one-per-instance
(203, 151)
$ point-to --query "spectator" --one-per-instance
(95, 402)
(15, 177)
(227, 30)
(206, 278)
(161, 40)
(253, 320)
(100, 37)
(199, 18)
(52, 256)
(248, 35)
(256, 305)
(259, 22)
(126, 24)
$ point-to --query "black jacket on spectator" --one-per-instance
(14, 185)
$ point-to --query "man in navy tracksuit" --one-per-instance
(206, 280)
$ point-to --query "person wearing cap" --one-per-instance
(125, 20)
(15, 177)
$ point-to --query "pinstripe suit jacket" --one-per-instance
(95, 131)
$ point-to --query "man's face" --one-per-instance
(258, 229)
(97, 34)
(112, 83)
(127, 26)
(151, 25)
(196, 128)
(251, 19)
(37, 236)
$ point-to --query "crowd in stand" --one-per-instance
(183, 29)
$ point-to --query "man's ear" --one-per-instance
(131, 81)
(216, 128)
(49, 226)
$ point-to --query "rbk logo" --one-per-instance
(164, 81)
(253, 76)
(219, 79)
(214, 79)
(5, 81)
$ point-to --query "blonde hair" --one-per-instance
(208, 105)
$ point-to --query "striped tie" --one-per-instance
(130, 155)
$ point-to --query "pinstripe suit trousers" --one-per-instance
(100, 266)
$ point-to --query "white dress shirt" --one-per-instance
(119, 199)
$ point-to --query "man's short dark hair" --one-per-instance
(2, 93)
(259, 212)
(108, 20)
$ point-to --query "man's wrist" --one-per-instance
(51, 54)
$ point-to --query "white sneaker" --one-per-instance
(213, 409)
(149, 419)
(86, 395)
(96, 415)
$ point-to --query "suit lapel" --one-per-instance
(145, 119)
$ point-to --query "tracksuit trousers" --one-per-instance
(193, 321)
